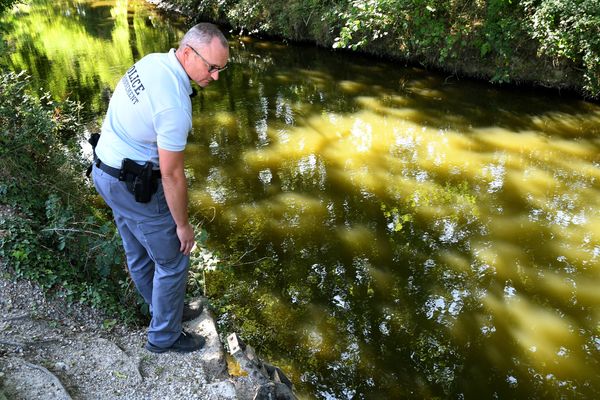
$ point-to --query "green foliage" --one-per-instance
(568, 30)
(366, 21)
(395, 217)
(434, 31)
(251, 16)
(500, 37)
(201, 261)
(33, 129)
(504, 40)
(51, 234)
(6, 5)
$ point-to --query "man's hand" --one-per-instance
(186, 236)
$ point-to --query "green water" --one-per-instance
(385, 232)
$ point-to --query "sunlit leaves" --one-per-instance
(568, 30)
(6, 4)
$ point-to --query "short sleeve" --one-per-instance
(172, 127)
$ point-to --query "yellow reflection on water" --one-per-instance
(455, 260)
(571, 125)
(282, 213)
(535, 194)
(584, 291)
(351, 87)
(93, 59)
(226, 119)
(546, 338)
(296, 147)
(356, 238)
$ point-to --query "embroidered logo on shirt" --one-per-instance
(133, 85)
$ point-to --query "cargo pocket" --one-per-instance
(161, 239)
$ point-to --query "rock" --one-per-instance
(213, 353)
(24, 380)
(274, 391)
(221, 391)
(61, 366)
(270, 381)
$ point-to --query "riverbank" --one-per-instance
(52, 349)
(511, 44)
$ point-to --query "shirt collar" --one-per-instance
(183, 77)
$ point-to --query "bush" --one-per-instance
(568, 30)
(503, 40)
(51, 234)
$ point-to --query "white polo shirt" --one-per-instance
(150, 108)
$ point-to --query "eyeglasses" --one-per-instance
(211, 68)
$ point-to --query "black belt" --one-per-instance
(116, 172)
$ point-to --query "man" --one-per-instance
(147, 123)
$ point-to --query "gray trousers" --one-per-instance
(157, 267)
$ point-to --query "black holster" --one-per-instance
(93, 140)
(141, 180)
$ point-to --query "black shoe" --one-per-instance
(186, 343)
(190, 313)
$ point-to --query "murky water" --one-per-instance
(387, 233)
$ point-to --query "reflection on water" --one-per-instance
(79, 49)
(393, 233)
(424, 238)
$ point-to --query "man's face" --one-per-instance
(204, 63)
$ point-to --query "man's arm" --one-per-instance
(175, 187)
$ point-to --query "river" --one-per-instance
(383, 232)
